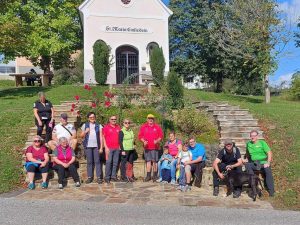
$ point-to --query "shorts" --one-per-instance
(37, 169)
(190, 168)
(151, 155)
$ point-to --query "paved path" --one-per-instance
(33, 212)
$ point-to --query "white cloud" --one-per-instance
(283, 78)
(291, 10)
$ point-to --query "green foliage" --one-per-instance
(297, 36)
(7, 83)
(175, 90)
(101, 61)
(157, 64)
(295, 87)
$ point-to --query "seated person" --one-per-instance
(64, 158)
(259, 158)
(197, 163)
(229, 158)
(184, 156)
(37, 159)
(165, 165)
(63, 129)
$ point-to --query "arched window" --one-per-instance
(150, 48)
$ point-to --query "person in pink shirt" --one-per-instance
(112, 148)
(151, 135)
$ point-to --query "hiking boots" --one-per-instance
(77, 184)
(99, 180)
(89, 180)
(216, 191)
(147, 179)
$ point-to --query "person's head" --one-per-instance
(64, 118)
(126, 123)
(254, 135)
(113, 120)
(166, 149)
(228, 144)
(172, 136)
(42, 96)
(91, 117)
(192, 142)
(150, 119)
(37, 141)
(185, 146)
(63, 141)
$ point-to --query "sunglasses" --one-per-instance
(113, 119)
(126, 122)
(36, 141)
(91, 117)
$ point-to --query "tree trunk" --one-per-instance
(267, 90)
(45, 64)
(219, 84)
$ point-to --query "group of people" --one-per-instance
(181, 163)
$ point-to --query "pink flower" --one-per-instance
(107, 104)
(77, 97)
(73, 106)
(86, 86)
(78, 113)
(93, 105)
(106, 94)
(72, 110)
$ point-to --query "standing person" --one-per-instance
(197, 164)
(44, 114)
(63, 129)
(126, 141)
(151, 135)
(37, 160)
(259, 157)
(175, 145)
(229, 158)
(93, 146)
(112, 148)
(64, 158)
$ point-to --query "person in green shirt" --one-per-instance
(259, 157)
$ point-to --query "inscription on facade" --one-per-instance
(121, 29)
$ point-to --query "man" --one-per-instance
(151, 135)
(259, 157)
(112, 148)
(229, 158)
(63, 129)
(196, 165)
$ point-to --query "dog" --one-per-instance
(237, 179)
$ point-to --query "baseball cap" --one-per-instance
(150, 116)
(228, 141)
(64, 116)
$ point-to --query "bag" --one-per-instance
(67, 130)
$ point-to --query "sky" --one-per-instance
(289, 58)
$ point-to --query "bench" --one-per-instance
(44, 77)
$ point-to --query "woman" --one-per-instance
(64, 158)
(37, 159)
(93, 146)
(126, 141)
(44, 114)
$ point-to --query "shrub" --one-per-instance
(175, 90)
(157, 65)
(101, 61)
(295, 87)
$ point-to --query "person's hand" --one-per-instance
(266, 165)
(244, 161)
(145, 143)
(177, 166)
(101, 150)
(43, 164)
(229, 167)
(123, 153)
(155, 142)
(66, 165)
(186, 163)
(87, 130)
(40, 123)
(221, 175)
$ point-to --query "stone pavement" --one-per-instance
(140, 193)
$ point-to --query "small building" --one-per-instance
(132, 28)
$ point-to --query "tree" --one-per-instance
(49, 31)
(297, 35)
(157, 65)
(295, 86)
(175, 90)
(101, 61)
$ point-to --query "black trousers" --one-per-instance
(61, 172)
(222, 168)
(48, 129)
(128, 157)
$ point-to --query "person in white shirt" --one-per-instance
(184, 157)
(63, 129)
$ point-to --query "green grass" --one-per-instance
(280, 121)
(16, 117)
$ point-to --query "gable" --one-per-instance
(136, 8)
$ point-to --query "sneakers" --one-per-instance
(180, 187)
(173, 182)
(77, 184)
(124, 179)
(147, 179)
(99, 180)
(31, 186)
(60, 186)
(107, 181)
(44, 185)
(159, 180)
(216, 191)
(236, 194)
(115, 179)
(164, 182)
(187, 188)
(89, 180)
(154, 178)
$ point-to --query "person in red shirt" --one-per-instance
(151, 135)
(112, 148)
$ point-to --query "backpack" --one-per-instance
(234, 152)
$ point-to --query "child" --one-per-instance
(184, 156)
(165, 168)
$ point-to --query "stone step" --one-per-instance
(69, 113)
(237, 134)
(224, 108)
(234, 117)
(245, 122)
(237, 140)
(80, 102)
(238, 128)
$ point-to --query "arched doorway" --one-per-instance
(127, 64)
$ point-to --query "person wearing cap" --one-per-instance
(37, 160)
(63, 129)
(151, 134)
(228, 158)
(44, 113)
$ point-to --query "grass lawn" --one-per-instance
(16, 117)
(281, 122)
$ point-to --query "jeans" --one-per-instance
(48, 129)
(61, 172)
(173, 169)
(269, 181)
(93, 160)
(125, 161)
(112, 164)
